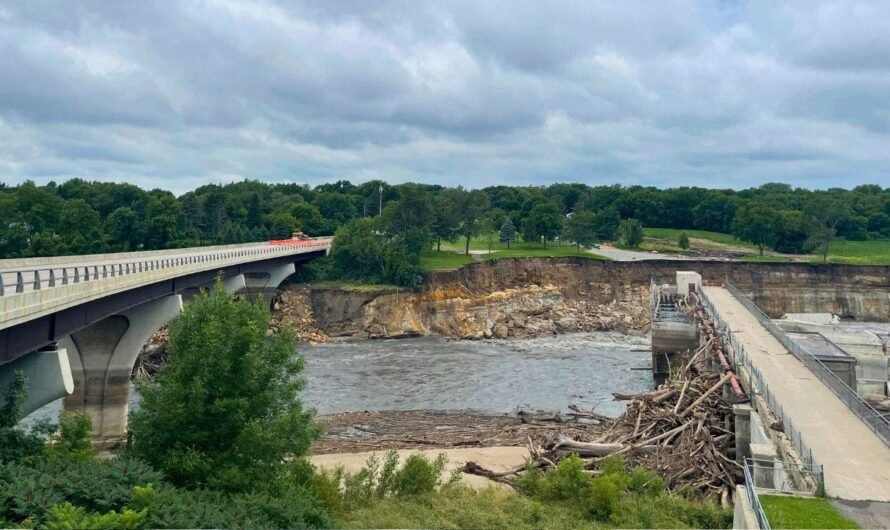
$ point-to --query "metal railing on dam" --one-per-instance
(876, 421)
(34, 285)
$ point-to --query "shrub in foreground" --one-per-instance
(224, 412)
(126, 493)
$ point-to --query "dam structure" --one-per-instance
(848, 438)
(74, 325)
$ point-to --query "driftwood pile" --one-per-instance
(683, 430)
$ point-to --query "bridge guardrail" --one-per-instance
(18, 281)
(740, 355)
(876, 421)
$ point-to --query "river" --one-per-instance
(491, 376)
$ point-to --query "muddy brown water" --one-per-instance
(492, 376)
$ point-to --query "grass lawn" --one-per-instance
(757, 258)
(518, 249)
(433, 260)
(858, 252)
(802, 512)
(524, 250)
(350, 285)
(649, 246)
(672, 234)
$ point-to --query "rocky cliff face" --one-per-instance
(535, 296)
(453, 311)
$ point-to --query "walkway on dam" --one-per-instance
(856, 461)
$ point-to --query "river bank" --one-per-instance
(357, 432)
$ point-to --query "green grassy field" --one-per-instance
(852, 252)
(452, 254)
(802, 512)
(858, 252)
(527, 250)
(757, 258)
(433, 260)
(350, 285)
(672, 234)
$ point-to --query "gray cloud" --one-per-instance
(176, 94)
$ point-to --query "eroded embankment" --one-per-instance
(526, 297)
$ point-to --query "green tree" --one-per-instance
(358, 251)
(508, 232)
(78, 217)
(827, 214)
(309, 219)
(630, 233)
(445, 224)
(124, 228)
(254, 211)
(335, 208)
(471, 209)
(224, 411)
(544, 221)
(607, 222)
(683, 241)
(581, 229)
(413, 212)
(756, 223)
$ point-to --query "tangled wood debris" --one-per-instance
(684, 430)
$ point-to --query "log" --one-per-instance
(704, 396)
(576, 411)
(587, 449)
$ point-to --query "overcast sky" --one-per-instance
(176, 94)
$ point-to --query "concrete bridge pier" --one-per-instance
(102, 358)
(265, 282)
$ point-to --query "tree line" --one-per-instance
(78, 217)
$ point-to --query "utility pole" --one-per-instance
(380, 206)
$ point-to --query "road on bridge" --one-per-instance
(856, 461)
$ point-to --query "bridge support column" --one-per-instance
(102, 359)
(47, 377)
(265, 282)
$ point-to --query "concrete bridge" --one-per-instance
(76, 324)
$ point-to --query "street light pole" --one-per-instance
(380, 195)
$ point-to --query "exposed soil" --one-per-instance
(351, 432)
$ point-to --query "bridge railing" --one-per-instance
(876, 421)
(17, 281)
(741, 357)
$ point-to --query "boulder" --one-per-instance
(501, 331)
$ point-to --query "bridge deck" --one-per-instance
(856, 462)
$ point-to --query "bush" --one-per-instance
(31, 490)
(88, 493)
(417, 476)
(74, 439)
(618, 498)
(67, 516)
(683, 241)
(567, 481)
(630, 233)
(603, 497)
(225, 410)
